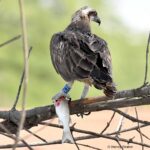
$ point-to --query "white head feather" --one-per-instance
(86, 10)
(86, 13)
(81, 12)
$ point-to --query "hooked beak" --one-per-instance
(97, 20)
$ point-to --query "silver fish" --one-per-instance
(63, 113)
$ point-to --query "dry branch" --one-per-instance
(26, 53)
(20, 85)
(146, 64)
(139, 130)
(91, 136)
(10, 41)
(136, 97)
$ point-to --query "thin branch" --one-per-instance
(20, 86)
(14, 138)
(25, 49)
(119, 144)
(10, 41)
(71, 128)
(92, 136)
(95, 135)
(139, 129)
(78, 130)
(8, 134)
(130, 117)
(111, 138)
(92, 147)
(5, 129)
(146, 64)
(108, 123)
(120, 124)
(127, 130)
(76, 144)
(144, 135)
(37, 136)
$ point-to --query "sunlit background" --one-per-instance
(125, 27)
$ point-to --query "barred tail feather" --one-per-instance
(109, 88)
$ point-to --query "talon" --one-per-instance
(81, 107)
(83, 114)
(87, 113)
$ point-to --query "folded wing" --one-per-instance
(80, 56)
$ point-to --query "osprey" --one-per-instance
(78, 54)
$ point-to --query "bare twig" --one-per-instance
(139, 128)
(20, 86)
(76, 144)
(127, 130)
(146, 64)
(78, 130)
(119, 144)
(5, 129)
(37, 136)
(108, 123)
(130, 117)
(120, 124)
(91, 136)
(92, 147)
(71, 128)
(14, 138)
(25, 48)
(144, 135)
(10, 41)
(94, 135)
(8, 134)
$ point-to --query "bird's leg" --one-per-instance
(64, 92)
(83, 95)
(85, 91)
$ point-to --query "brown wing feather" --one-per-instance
(101, 47)
(59, 50)
(78, 56)
(98, 54)
(66, 56)
(102, 74)
(97, 46)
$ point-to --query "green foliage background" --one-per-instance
(45, 17)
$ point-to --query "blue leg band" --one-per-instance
(66, 89)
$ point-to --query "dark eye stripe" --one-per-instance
(92, 13)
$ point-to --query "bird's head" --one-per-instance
(86, 13)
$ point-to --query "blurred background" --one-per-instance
(125, 27)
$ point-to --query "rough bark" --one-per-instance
(133, 97)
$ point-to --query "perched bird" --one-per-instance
(78, 54)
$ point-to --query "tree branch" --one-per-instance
(36, 115)
(26, 53)
(20, 85)
(10, 41)
(146, 64)
(91, 136)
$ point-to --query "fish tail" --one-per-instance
(67, 137)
